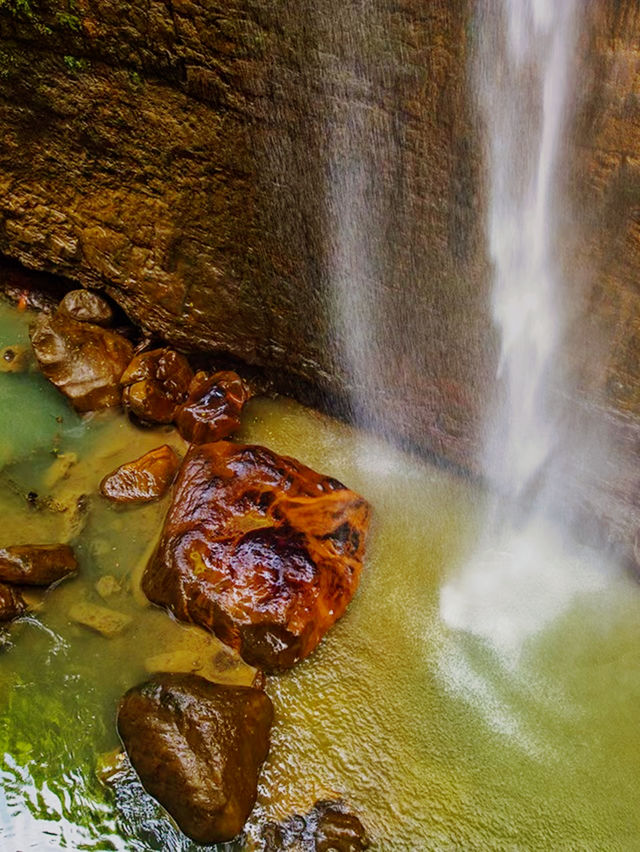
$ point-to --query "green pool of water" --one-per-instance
(438, 739)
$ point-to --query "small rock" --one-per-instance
(86, 306)
(108, 622)
(83, 360)
(328, 827)
(11, 603)
(36, 564)
(14, 359)
(143, 480)
(107, 586)
(260, 549)
(155, 383)
(198, 748)
(213, 407)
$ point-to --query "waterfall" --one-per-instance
(524, 573)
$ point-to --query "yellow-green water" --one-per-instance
(436, 740)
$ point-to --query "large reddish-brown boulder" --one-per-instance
(36, 564)
(259, 548)
(83, 360)
(198, 748)
(212, 409)
(11, 603)
(155, 383)
(144, 479)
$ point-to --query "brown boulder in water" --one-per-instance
(11, 603)
(82, 359)
(259, 548)
(155, 383)
(36, 564)
(328, 827)
(143, 480)
(212, 410)
(198, 748)
(86, 306)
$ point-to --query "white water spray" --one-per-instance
(524, 573)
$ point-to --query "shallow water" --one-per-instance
(440, 738)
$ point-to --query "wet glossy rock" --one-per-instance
(259, 548)
(143, 480)
(213, 407)
(11, 603)
(198, 748)
(82, 359)
(328, 827)
(36, 564)
(86, 306)
(155, 383)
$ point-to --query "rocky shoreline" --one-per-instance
(256, 547)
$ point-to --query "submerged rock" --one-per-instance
(83, 360)
(155, 383)
(260, 549)
(11, 603)
(86, 306)
(213, 407)
(143, 480)
(100, 619)
(328, 827)
(36, 564)
(198, 748)
(14, 359)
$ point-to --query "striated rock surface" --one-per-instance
(155, 383)
(144, 479)
(11, 603)
(86, 306)
(36, 564)
(83, 360)
(198, 748)
(328, 827)
(212, 409)
(259, 548)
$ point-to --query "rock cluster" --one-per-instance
(256, 547)
(328, 827)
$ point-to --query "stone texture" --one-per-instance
(212, 409)
(155, 383)
(86, 306)
(36, 564)
(260, 549)
(198, 748)
(81, 359)
(328, 827)
(144, 479)
(11, 603)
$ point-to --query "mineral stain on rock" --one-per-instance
(259, 548)
(198, 748)
(144, 479)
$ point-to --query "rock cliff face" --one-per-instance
(232, 172)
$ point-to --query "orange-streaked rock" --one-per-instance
(213, 407)
(198, 748)
(155, 383)
(144, 479)
(36, 564)
(259, 548)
